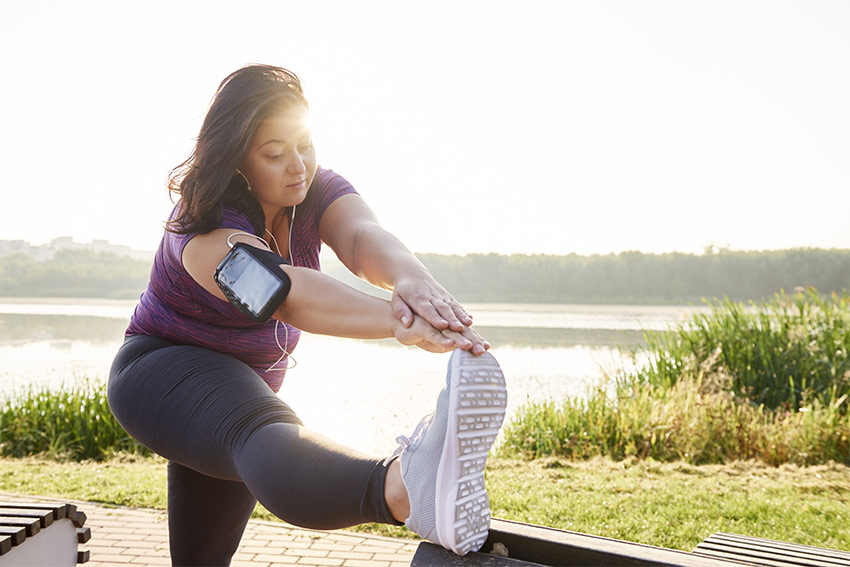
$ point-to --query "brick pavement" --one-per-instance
(124, 537)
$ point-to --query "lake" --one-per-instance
(368, 392)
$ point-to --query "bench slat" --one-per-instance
(31, 524)
(773, 553)
(755, 555)
(45, 517)
(736, 539)
(728, 556)
(59, 510)
(79, 518)
(17, 533)
(83, 535)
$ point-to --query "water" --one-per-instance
(361, 393)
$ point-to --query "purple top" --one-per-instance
(175, 307)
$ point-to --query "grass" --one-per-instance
(770, 383)
(683, 422)
(676, 505)
(71, 423)
(673, 505)
(785, 353)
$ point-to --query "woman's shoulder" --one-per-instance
(327, 187)
(328, 179)
(175, 241)
(234, 218)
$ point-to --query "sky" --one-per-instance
(529, 127)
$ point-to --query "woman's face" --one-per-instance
(280, 162)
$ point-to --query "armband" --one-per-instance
(252, 280)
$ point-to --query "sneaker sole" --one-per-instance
(477, 402)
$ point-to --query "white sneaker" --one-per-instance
(442, 464)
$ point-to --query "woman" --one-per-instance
(196, 379)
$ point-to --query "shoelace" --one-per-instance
(404, 441)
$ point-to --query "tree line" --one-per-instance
(635, 277)
(628, 277)
(73, 273)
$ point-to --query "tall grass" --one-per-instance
(73, 423)
(767, 382)
(784, 353)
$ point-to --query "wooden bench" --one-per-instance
(527, 545)
(42, 534)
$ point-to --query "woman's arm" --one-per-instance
(320, 304)
(352, 230)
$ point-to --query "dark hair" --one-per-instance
(206, 181)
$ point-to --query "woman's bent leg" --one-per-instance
(211, 413)
(206, 517)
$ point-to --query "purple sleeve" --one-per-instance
(330, 187)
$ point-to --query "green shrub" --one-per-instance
(768, 382)
(784, 353)
(73, 422)
(679, 423)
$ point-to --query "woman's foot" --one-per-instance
(442, 464)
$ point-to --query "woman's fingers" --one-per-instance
(425, 336)
(429, 300)
(431, 347)
(461, 314)
(448, 311)
(468, 339)
(421, 332)
(401, 310)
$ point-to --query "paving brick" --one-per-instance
(392, 543)
(285, 561)
(369, 548)
(149, 560)
(351, 555)
(111, 530)
(298, 544)
(277, 558)
(343, 538)
(254, 547)
(322, 562)
(308, 552)
(386, 557)
(275, 541)
(361, 563)
(123, 559)
(330, 546)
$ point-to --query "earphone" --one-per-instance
(283, 349)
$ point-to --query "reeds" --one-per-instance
(73, 423)
(768, 382)
(784, 353)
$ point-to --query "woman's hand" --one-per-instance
(351, 229)
(420, 294)
(420, 333)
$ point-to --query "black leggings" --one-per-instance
(231, 441)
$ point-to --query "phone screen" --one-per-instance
(250, 281)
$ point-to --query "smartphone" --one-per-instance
(251, 286)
